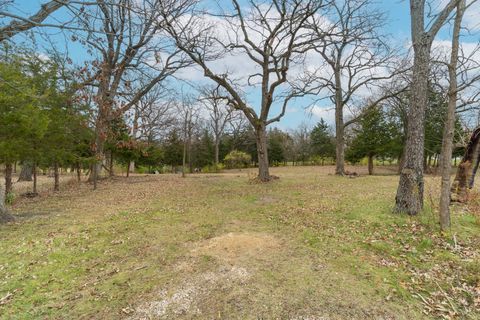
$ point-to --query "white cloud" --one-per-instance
(325, 113)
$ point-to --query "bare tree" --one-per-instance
(459, 68)
(220, 114)
(188, 112)
(151, 115)
(355, 58)
(447, 143)
(409, 198)
(127, 37)
(270, 37)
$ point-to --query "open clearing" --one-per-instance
(215, 246)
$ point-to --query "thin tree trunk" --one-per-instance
(370, 164)
(34, 178)
(111, 173)
(339, 127)
(217, 151)
(447, 143)
(136, 115)
(8, 178)
(56, 175)
(95, 175)
(79, 172)
(184, 159)
(128, 170)
(262, 152)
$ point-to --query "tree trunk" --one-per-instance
(128, 170)
(339, 127)
(4, 215)
(8, 178)
(217, 151)
(409, 198)
(370, 164)
(34, 178)
(184, 159)
(26, 172)
(131, 166)
(111, 173)
(262, 152)
(447, 143)
(467, 168)
(79, 172)
(56, 175)
(101, 128)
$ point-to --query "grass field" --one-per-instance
(310, 245)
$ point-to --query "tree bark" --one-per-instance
(20, 25)
(217, 151)
(339, 127)
(467, 169)
(131, 166)
(262, 152)
(56, 175)
(409, 198)
(79, 172)
(111, 173)
(34, 178)
(4, 215)
(447, 143)
(184, 158)
(370, 164)
(26, 172)
(8, 178)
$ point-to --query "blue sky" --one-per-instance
(398, 27)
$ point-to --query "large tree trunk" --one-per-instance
(56, 186)
(101, 132)
(26, 172)
(409, 198)
(339, 127)
(370, 164)
(467, 169)
(447, 143)
(4, 215)
(262, 152)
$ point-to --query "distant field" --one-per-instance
(310, 245)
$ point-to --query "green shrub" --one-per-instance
(9, 198)
(237, 159)
(213, 168)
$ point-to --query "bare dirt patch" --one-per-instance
(233, 247)
(189, 297)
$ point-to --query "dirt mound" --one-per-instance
(237, 246)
